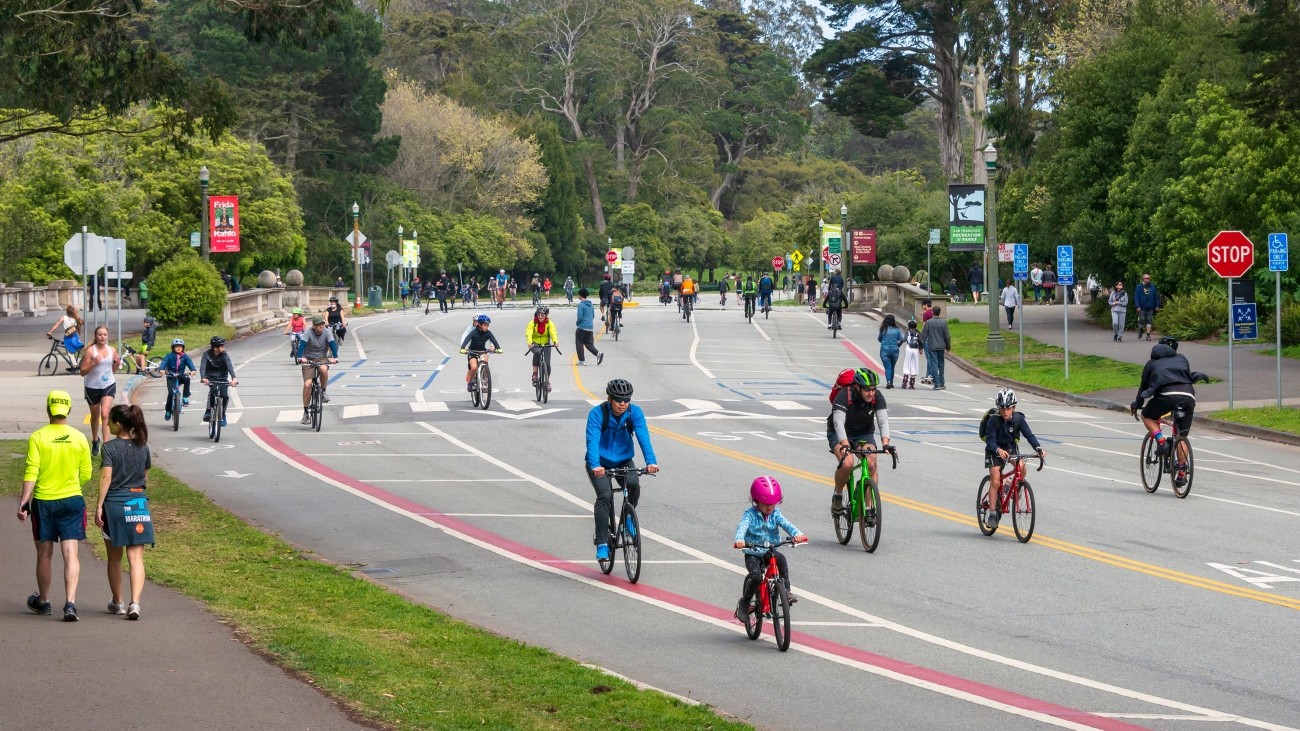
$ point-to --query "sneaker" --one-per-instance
(793, 599)
(185, 402)
(991, 518)
(207, 415)
(306, 418)
(223, 422)
(133, 611)
(602, 552)
(600, 358)
(37, 606)
(837, 505)
(325, 397)
(70, 612)
(1162, 446)
(548, 388)
(167, 416)
(631, 527)
(582, 363)
(94, 449)
(742, 610)
(116, 608)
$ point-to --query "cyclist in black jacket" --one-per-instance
(1002, 431)
(216, 365)
(1166, 384)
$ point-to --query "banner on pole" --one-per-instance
(410, 252)
(966, 218)
(829, 232)
(223, 224)
(864, 246)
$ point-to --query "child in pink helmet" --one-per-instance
(762, 524)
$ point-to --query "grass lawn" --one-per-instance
(393, 660)
(1044, 364)
(1285, 419)
(1288, 351)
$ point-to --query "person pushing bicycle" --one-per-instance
(1166, 384)
(610, 428)
(1002, 432)
(215, 365)
(761, 525)
(475, 342)
(856, 412)
(540, 333)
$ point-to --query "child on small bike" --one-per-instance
(178, 367)
(477, 340)
(762, 523)
(1002, 431)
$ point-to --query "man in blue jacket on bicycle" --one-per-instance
(610, 427)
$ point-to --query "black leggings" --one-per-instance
(757, 567)
(605, 498)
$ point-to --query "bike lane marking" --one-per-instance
(889, 668)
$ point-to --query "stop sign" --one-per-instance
(611, 256)
(778, 262)
(1230, 254)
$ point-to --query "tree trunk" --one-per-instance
(977, 109)
(598, 213)
(291, 145)
(948, 63)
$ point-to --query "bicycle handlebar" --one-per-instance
(624, 471)
(772, 546)
(890, 450)
(1017, 457)
(548, 345)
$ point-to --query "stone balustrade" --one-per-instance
(24, 299)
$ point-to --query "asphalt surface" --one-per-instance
(1126, 609)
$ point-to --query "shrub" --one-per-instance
(1290, 322)
(1194, 316)
(186, 289)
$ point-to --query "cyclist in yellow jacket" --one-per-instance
(540, 333)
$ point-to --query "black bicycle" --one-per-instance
(687, 306)
(217, 417)
(316, 401)
(542, 384)
(615, 324)
(749, 308)
(49, 364)
(625, 532)
(836, 325)
(1176, 461)
(480, 386)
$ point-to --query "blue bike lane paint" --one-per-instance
(435, 373)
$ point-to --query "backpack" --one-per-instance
(616, 296)
(984, 426)
(843, 381)
(605, 416)
(914, 339)
(834, 296)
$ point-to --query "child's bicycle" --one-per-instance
(480, 386)
(1176, 461)
(1017, 498)
(624, 528)
(131, 362)
(864, 507)
(771, 601)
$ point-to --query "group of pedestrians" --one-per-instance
(931, 338)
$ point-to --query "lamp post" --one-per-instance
(401, 249)
(356, 253)
(845, 244)
(821, 226)
(995, 342)
(206, 245)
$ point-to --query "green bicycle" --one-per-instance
(864, 506)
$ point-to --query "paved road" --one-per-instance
(1126, 609)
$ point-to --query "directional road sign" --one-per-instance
(1230, 254)
(96, 256)
(1279, 257)
(1020, 261)
(934, 237)
(1065, 265)
(834, 261)
(778, 262)
(1245, 323)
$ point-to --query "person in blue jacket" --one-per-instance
(1146, 300)
(765, 286)
(891, 340)
(178, 367)
(610, 427)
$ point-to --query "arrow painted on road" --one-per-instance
(527, 415)
(232, 473)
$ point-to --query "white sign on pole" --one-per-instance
(1006, 253)
(95, 257)
(629, 268)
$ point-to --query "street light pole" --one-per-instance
(356, 254)
(845, 244)
(206, 244)
(995, 342)
(401, 249)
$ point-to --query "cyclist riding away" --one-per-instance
(215, 365)
(750, 291)
(610, 427)
(313, 346)
(762, 524)
(616, 304)
(689, 289)
(1002, 432)
(765, 287)
(1167, 384)
(178, 367)
(834, 303)
(540, 333)
(335, 319)
(477, 341)
(856, 413)
(606, 287)
(297, 324)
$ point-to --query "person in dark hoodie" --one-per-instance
(1166, 384)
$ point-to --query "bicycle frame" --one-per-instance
(869, 517)
(543, 371)
(1015, 498)
(619, 537)
(770, 596)
(1177, 461)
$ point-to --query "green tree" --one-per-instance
(695, 237)
(640, 227)
(556, 215)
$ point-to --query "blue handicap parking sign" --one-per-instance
(1065, 265)
(1279, 257)
(1020, 259)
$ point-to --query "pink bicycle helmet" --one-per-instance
(765, 490)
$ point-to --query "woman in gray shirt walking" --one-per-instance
(1118, 311)
(123, 510)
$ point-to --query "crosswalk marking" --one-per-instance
(934, 409)
(511, 405)
(355, 410)
(233, 417)
(787, 405)
(426, 406)
(697, 404)
(287, 416)
(1071, 414)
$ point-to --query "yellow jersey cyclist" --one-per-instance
(540, 333)
(1002, 432)
(857, 411)
(610, 428)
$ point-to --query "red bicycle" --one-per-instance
(772, 600)
(1017, 498)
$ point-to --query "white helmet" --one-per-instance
(1006, 397)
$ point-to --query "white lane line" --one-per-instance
(232, 417)
(358, 455)
(285, 417)
(480, 479)
(834, 624)
(643, 686)
(1167, 717)
(932, 409)
(1070, 414)
(594, 562)
(511, 405)
(508, 515)
(698, 404)
(787, 405)
(425, 406)
(350, 412)
(695, 345)
(747, 370)
(760, 330)
(732, 626)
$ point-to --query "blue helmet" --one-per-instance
(483, 319)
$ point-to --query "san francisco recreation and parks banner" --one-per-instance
(223, 224)
(966, 218)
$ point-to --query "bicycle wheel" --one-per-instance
(754, 619)
(1022, 512)
(617, 326)
(844, 521)
(835, 327)
(151, 368)
(631, 540)
(317, 402)
(607, 564)
(870, 524)
(1151, 465)
(689, 308)
(214, 432)
(176, 409)
(982, 507)
(780, 615)
(1183, 467)
(544, 383)
(49, 365)
(484, 386)
(767, 313)
(474, 390)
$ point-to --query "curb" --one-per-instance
(1230, 427)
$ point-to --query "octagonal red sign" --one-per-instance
(1230, 254)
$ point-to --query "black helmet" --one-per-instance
(217, 341)
(1169, 340)
(618, 388)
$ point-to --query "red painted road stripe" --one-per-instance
(866, 359)
(854, 654)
